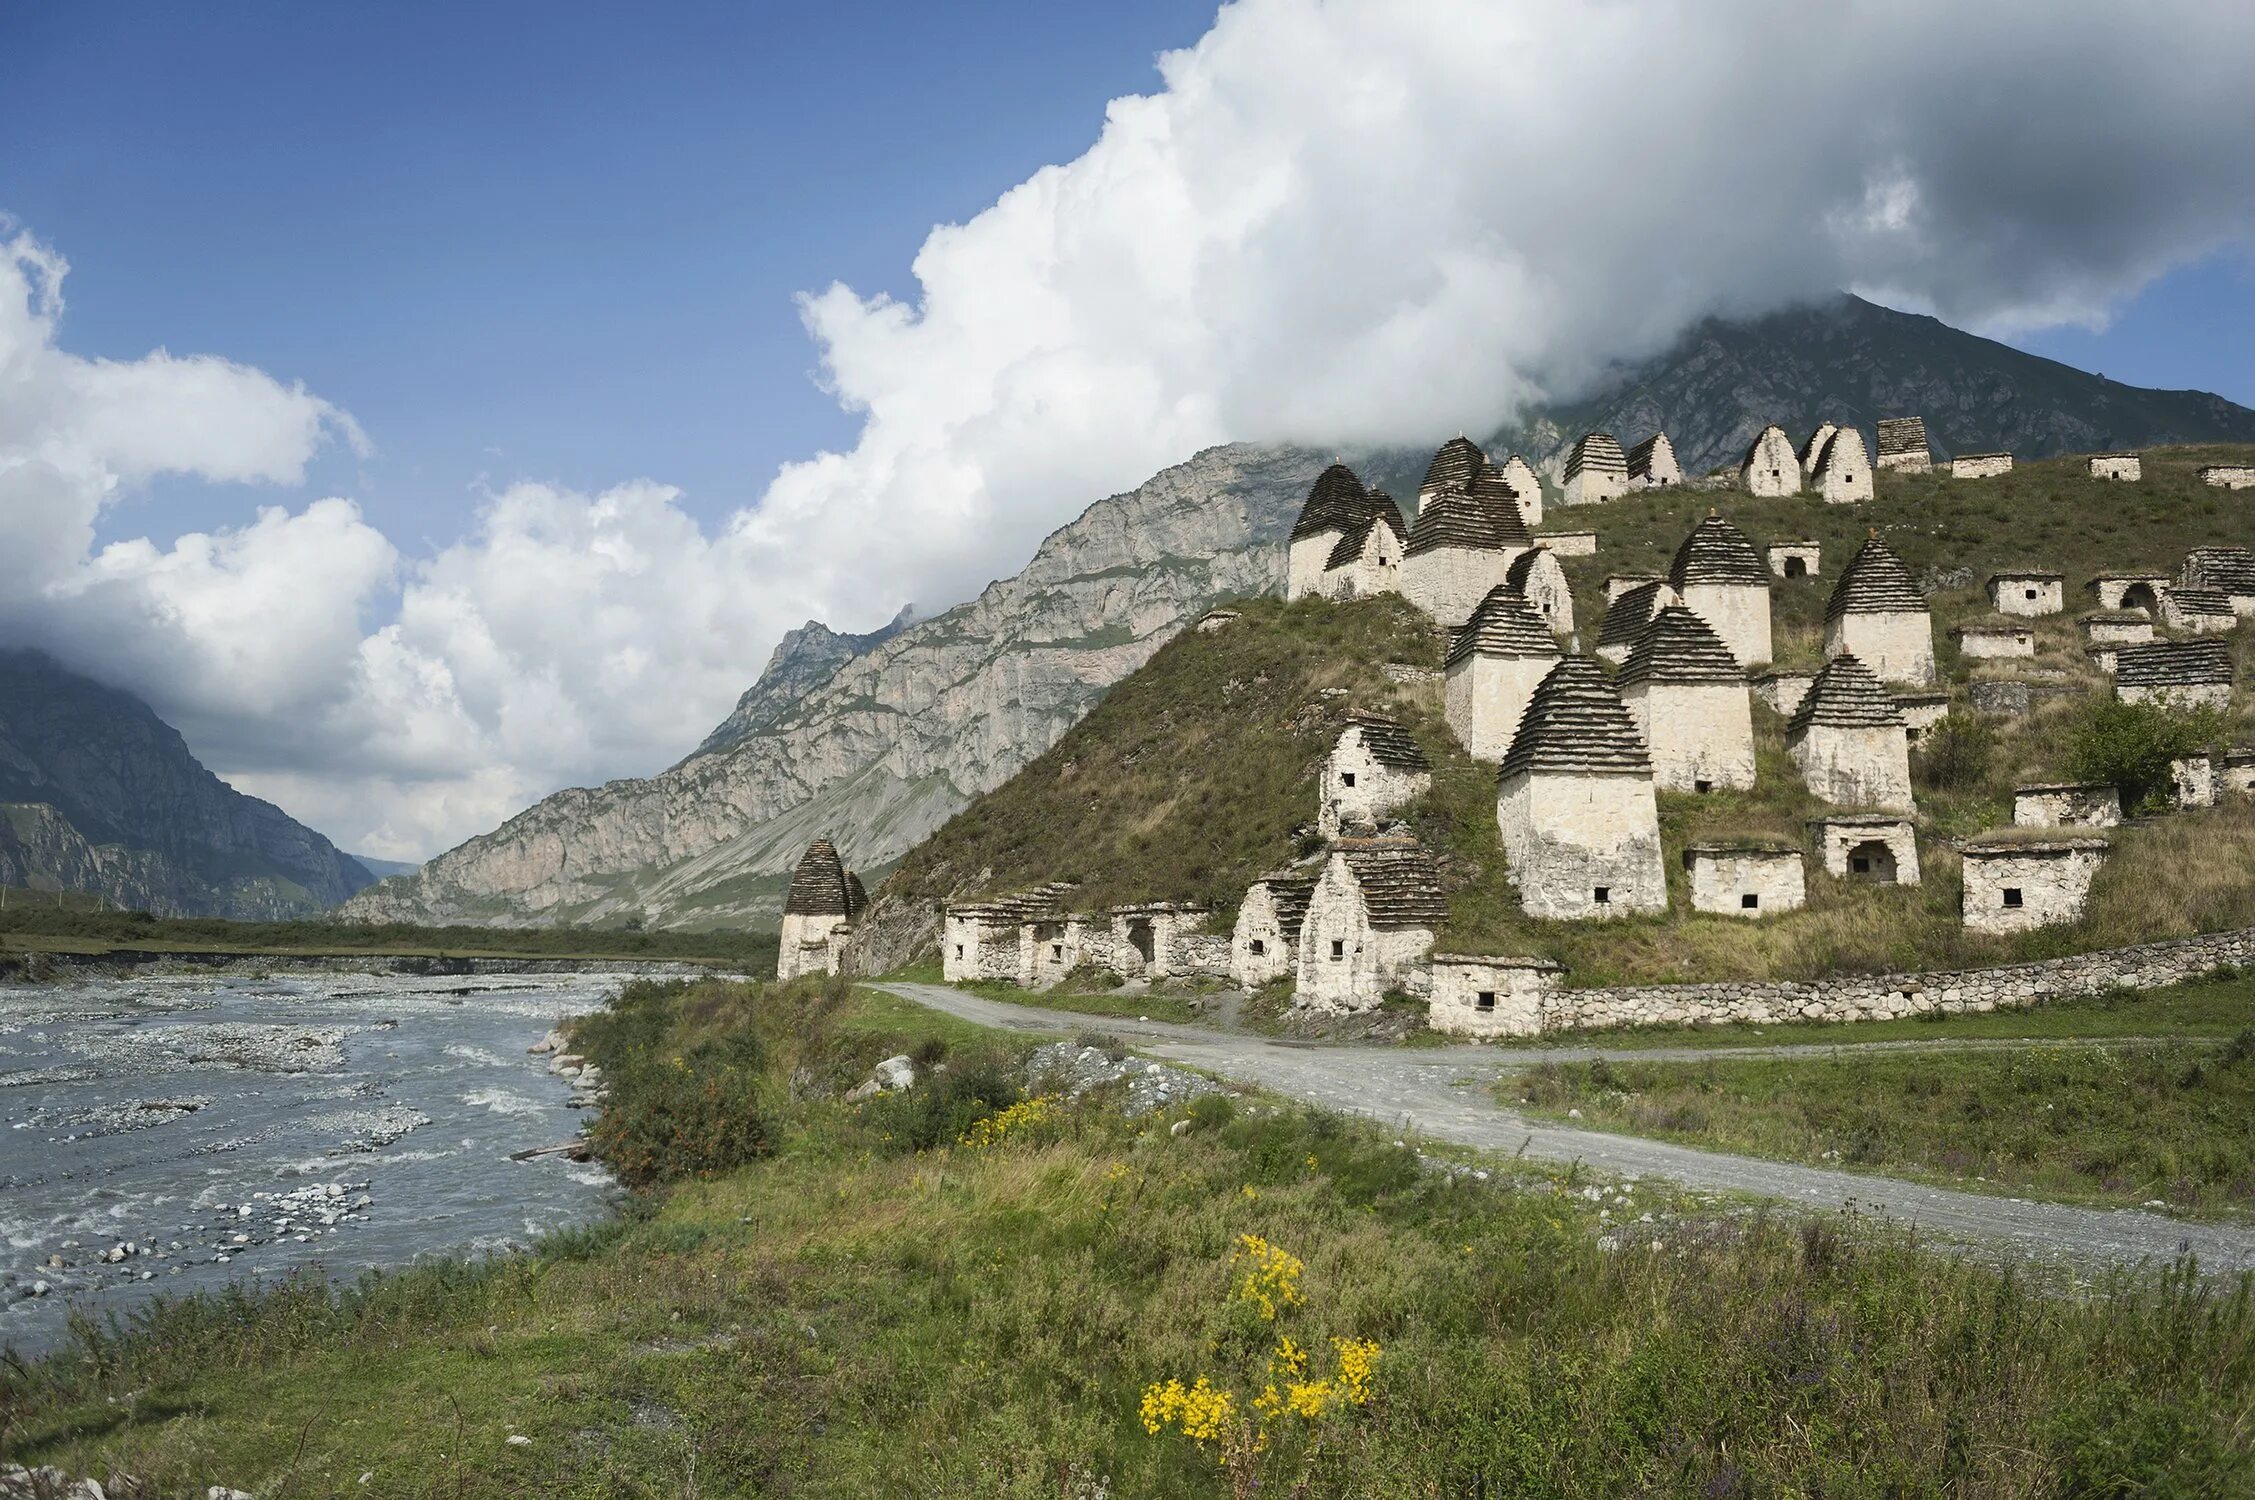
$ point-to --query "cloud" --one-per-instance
(1338, 221)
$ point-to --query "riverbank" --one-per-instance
(948, 1288)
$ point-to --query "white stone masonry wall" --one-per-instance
(1258, 953)
(1358, 788)
(1448, 583)
(1568, 836)
(1897, 647)
(1848, 851)
(1485, 697)
(1739, 613)
(1854, 767)
(1773, 468)
(1747, 883)
(2229, 476)
(2116, 466)
(2066, 807)
(1981, 466)
(1701, 734)
(1989, 644)
(1489, 997)
(810, 945)
(2019, 892)
(1303, 569)
(2029, 598)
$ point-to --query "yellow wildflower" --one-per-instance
(1018, 1119)
(1308, 1398)
(1199, 1411)
(1289, 1357)
(1271, 1278)
(1357, 1359)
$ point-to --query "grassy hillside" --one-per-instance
(1192, 775)
(948, 1292)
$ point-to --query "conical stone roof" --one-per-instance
(1380, 506)
(1456, 518)
(1898, 435)
(1401, 883)
(1576, 724)
(1350, 543)
(1846, 695)
(2231, 569)
(2165, 664)
(1599, 453)
(1717, 552)
(1453, 467)
(1335, 502)
(1502, 625)
(1522, 569)
(820, 886)
(1289, 893)
(1494, 491)
(1875, 582)
(1678, 646)
(1626, 617)
(1388, 743)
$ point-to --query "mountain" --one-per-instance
(903, 732)
(802, 661)
(384, 869)
(98, 794)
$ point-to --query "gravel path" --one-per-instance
(1443, 1093)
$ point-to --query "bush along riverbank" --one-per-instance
(875, 1250)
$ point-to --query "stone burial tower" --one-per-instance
(1721, 578)
(1877, 614)
(818, 913)
(1460, 547)
(1849, 739)
(1374, 770)
(1770, 468)
(1334, 532)
(1494, 666)
(1597, 470)
(1842, 475)
(1689, 701)
(1575, 805)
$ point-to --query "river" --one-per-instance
(164, 1134)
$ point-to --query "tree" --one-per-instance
(2132, 744)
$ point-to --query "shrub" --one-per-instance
(693, 1113)
(2132, 744)
(943, 1109)
(1957, 755)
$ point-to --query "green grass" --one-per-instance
(1160, 1007)
(80, 928)
(845, 1316)
(2168, 1122)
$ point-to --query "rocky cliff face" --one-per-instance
(897, 737)
(99, 794)
(875, 741)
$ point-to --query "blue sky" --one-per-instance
(549, 240)
(537, 253)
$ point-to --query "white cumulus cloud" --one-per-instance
(1336, 221)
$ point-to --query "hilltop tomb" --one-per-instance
(1843, 474)
(2230, 571)
(2192, 782)
(1596, 471)
(1493, 668)
(1264, 945)
(1797, 559)
(2067, 804)
(2128, 466)
(1921, 712)
(1575, 804)
(1527, 485)
(1770, 467)
(1460, 548)
(1453, 467)
(1336, 504)
(1617, 584)
(1849, 739)
(2182, 673)
(1540, 582)
(1813, 449)
(1374, 770)
(1876, 613)
(1868, 848)
(2229, 476)
(1994, 641)
(2030, 593)
(1720, 577)
(2197, 611)
(1628, 614)
(1980, 465)
(1478, 996)
(1364, 562)
(819, 910)
(2127, 591)
(2239, 771)
(1746, 880)
(1652, 464)
(1369, 923)
(1569, 543)
(1902, 445)
(1783, 690)
(2017, 885)
(1688, 700)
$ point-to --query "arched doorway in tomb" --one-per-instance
(2140, 596)
(1872, 862)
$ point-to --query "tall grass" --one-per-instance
(849, 1317)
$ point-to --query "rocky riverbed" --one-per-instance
(163, 1134)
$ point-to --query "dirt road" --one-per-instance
(1443, 1093)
